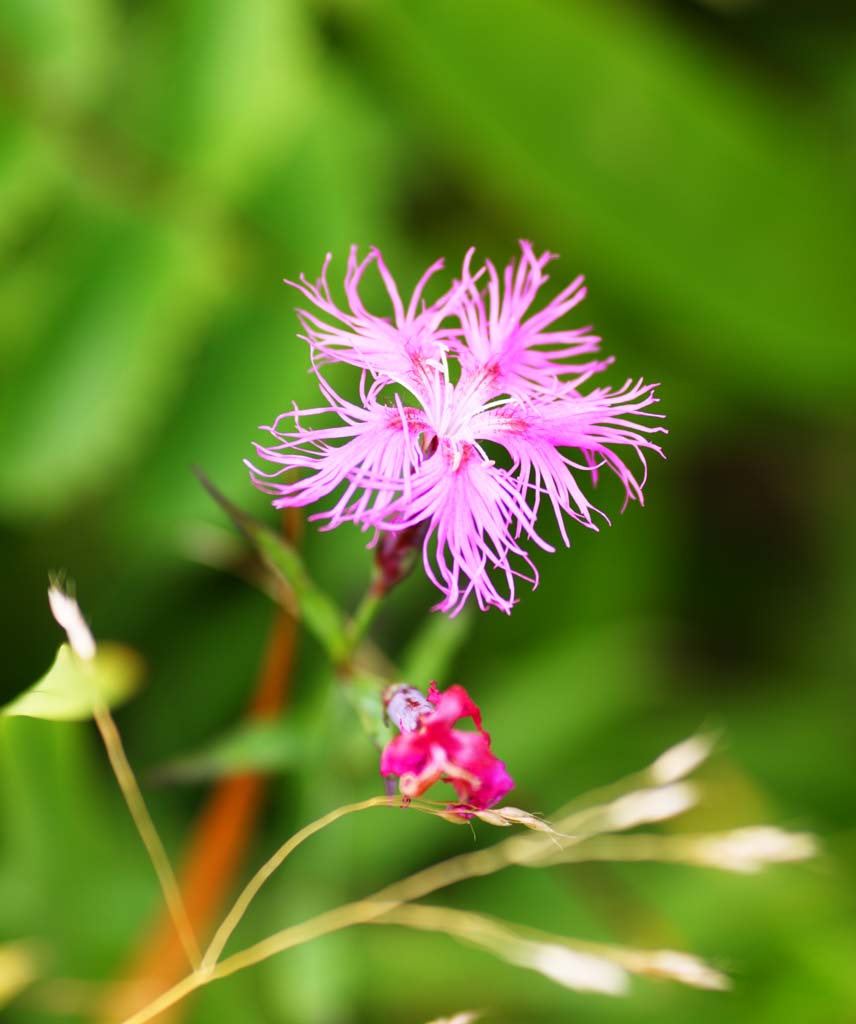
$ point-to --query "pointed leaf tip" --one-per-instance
(72, 686)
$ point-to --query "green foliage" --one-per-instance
(72, 687)
(162, 167)
(255, 747)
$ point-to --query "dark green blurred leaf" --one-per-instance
(71, 686)
(253, 747)
(714, 205)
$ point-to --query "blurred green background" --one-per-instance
(162, 166)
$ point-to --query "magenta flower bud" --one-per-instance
(431, 750)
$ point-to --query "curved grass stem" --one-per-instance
(422, 883)
(147, 831)
(232, 919)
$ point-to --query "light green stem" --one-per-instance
(230, 922)
(356, 629)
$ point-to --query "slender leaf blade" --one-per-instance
(274, 746)
(320, 613)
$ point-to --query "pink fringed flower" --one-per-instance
(402, 350)
(521, 355)
(430, 749)
(471, 410)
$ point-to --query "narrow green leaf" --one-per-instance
(253, 747)
(66, 693)
(302, 596)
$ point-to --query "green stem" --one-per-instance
(356, 629)
(230, 922)
(364, 687)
